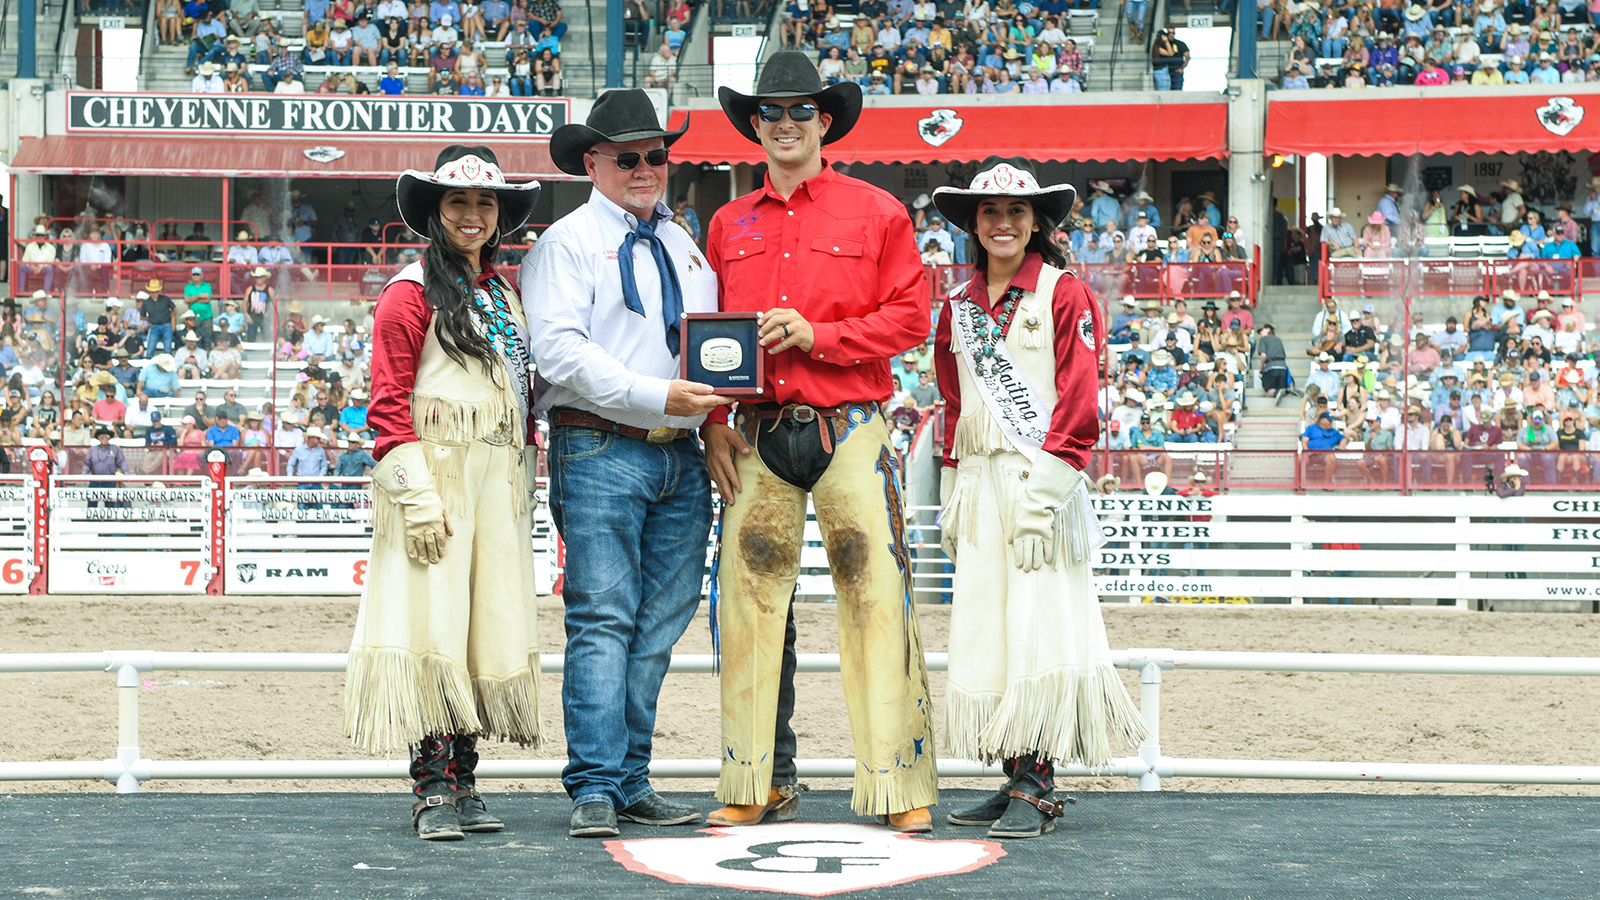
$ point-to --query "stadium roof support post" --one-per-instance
(614, 52)
(27, 39)
(1245, 25)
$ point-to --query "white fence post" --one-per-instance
(1150, 663)
(125, 770)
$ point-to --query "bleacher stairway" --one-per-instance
(1266, 424)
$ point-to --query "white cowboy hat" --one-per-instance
(314, 432)
(458, 166)
(1006, 177)
(1515, 469)
(164, 362)
(1155, 483)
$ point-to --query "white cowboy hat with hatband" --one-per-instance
(462, 167)
(1006, 177)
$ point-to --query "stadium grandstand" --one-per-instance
(173, 254)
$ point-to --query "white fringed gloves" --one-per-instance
(947, 486)
(1051, 483)
(403, 475)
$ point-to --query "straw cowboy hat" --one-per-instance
(1111, 480)
(1512, 184)
(296, 307)
(617, 117)
(458, 166)
(790, 73)
(259, 272)
(1006, 177)
(1468, 189)
(315, 432)
(1517, 238)
(1415, 13)
(153, 284)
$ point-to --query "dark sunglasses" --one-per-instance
(800, 112)
(629, 159)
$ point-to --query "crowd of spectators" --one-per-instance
(1514, 374)
(494, 48)
(942, 46)
(1362, 43)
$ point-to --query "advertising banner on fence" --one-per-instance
(295, 573)
(128, 572)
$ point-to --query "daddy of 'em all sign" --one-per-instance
(305, 114)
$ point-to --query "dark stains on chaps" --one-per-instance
(848, 546)
(769, 539)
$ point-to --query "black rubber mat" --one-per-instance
(1182, 846)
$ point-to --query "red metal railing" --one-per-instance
(1164, 282)
(1448, 277)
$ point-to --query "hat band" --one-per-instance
(1005, 177)
(469, 171)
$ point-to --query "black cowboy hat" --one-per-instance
(418, 193)
(790, 73)
(617, 117)
(1006, 177)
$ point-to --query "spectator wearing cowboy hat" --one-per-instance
(159, 377)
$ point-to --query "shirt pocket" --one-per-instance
(838, 247)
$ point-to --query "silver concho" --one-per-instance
(721, 355)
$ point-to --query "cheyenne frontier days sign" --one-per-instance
(302, 114)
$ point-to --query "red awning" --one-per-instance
(253, 157)
(1440, 124)
(1063, 132)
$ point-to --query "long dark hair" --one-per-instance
(445, 272)
(1041, 242)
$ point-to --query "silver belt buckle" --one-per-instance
(501, 436)
(804, 413)
(662, 435)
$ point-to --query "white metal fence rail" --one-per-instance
(128, 769)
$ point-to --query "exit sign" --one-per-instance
(1199, 21)
(112, 23)
(744, 31)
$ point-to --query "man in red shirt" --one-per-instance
(831, 264)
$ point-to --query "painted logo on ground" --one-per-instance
(802, 858)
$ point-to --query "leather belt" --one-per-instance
(577, 418)
(802, 413)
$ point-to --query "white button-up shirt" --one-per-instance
(593, 352)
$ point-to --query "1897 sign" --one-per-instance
(313, 114)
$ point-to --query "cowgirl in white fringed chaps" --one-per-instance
(1017, 353)
(446, 642)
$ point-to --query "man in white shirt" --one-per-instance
(1323, 377)
(1140, 234)
(603, 290)
(291, 84)
(391, 9)
(137, 415)
(208, 81)
(94, 249)
(889, 37)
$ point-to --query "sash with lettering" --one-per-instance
(1012, 401)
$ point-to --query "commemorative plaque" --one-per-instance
(720, 349)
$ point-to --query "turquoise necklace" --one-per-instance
(990, 336)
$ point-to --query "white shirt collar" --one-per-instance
(609, 210)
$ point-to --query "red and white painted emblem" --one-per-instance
(941, 125)
(1560, 115)
(812, 859)
(469, 170)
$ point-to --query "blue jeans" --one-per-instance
(635, 517)
(536, 29)
(160, 335)
(1334, 46)
(1136, 13)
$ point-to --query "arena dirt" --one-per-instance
(225, 715)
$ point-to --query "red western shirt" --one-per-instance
(843, 254)
(1075, 422)
(399, 327)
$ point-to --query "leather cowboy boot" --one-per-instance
(1031, 811)
(782, 805)
(912, 821)
(434, 814)
(473, 814)
(992, 808)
